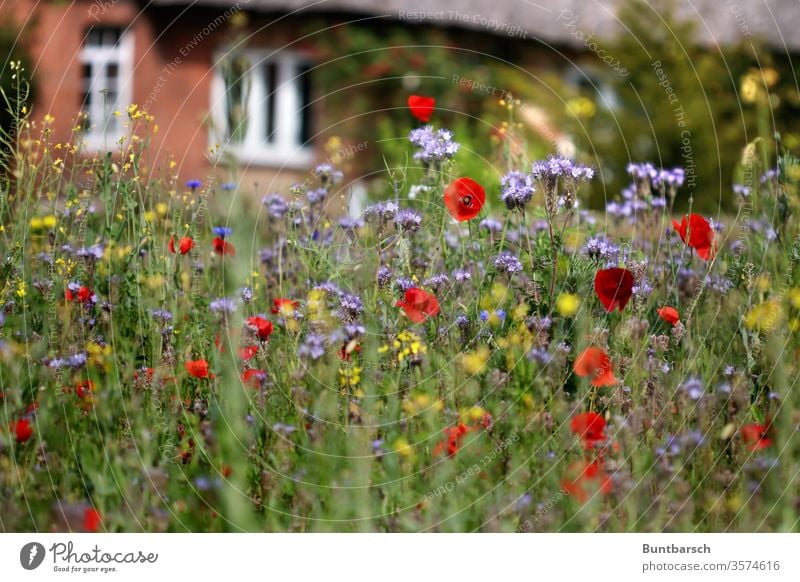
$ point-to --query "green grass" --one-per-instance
(364, 451)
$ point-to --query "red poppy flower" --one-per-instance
(421, 107)
(614, 288)
(453, 439)
(248, 352)
(218, 344)
(91, 520)
(185, 244)
(590, 427)
(84, 389)
(254, 378)
(669, 314)
(148, 374)
(419, 305)
(464, 198)
(22, 430)
(222, 247)
(82, 295)
(756, 437)
(198, 369)
(584, 478)
(700, 235)
(284, 306)
(262, 326)
(595, 362)
(347, 349)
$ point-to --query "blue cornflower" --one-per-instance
(222, 231)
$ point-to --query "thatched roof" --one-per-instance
(718, 21)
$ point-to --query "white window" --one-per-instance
(106, 64)
(261, 107)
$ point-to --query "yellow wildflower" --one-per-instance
(420, 402)
(403, 448)
(349, 377)
(475, 362)
(764, 317)
(794, 297)
(568, 304)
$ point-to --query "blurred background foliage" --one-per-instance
(13, 49)
(727, 96)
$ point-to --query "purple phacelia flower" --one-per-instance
(276, 205)
(506, 262)
(408, 220)
(693, 387)
(434, 145)
(317, 195)
(439, 283)
(462, 276)
(516, 190)
(490, 224)
(384, 276)
(560, 167)
(223, 305)
(600, 248)
(404, 283)
(381, 212)
(312, 347)
(351, 306)
(328, 174)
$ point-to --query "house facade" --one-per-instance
(174, 59)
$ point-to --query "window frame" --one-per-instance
(98, 137)
(286, 150)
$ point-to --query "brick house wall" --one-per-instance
(172, 71)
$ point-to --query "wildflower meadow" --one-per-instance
(471, 351)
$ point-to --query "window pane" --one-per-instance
(112, 70)
(93, 37)
(103, 36)
(271, 84)
(110, 36)
(304, 80)
(86, 78)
